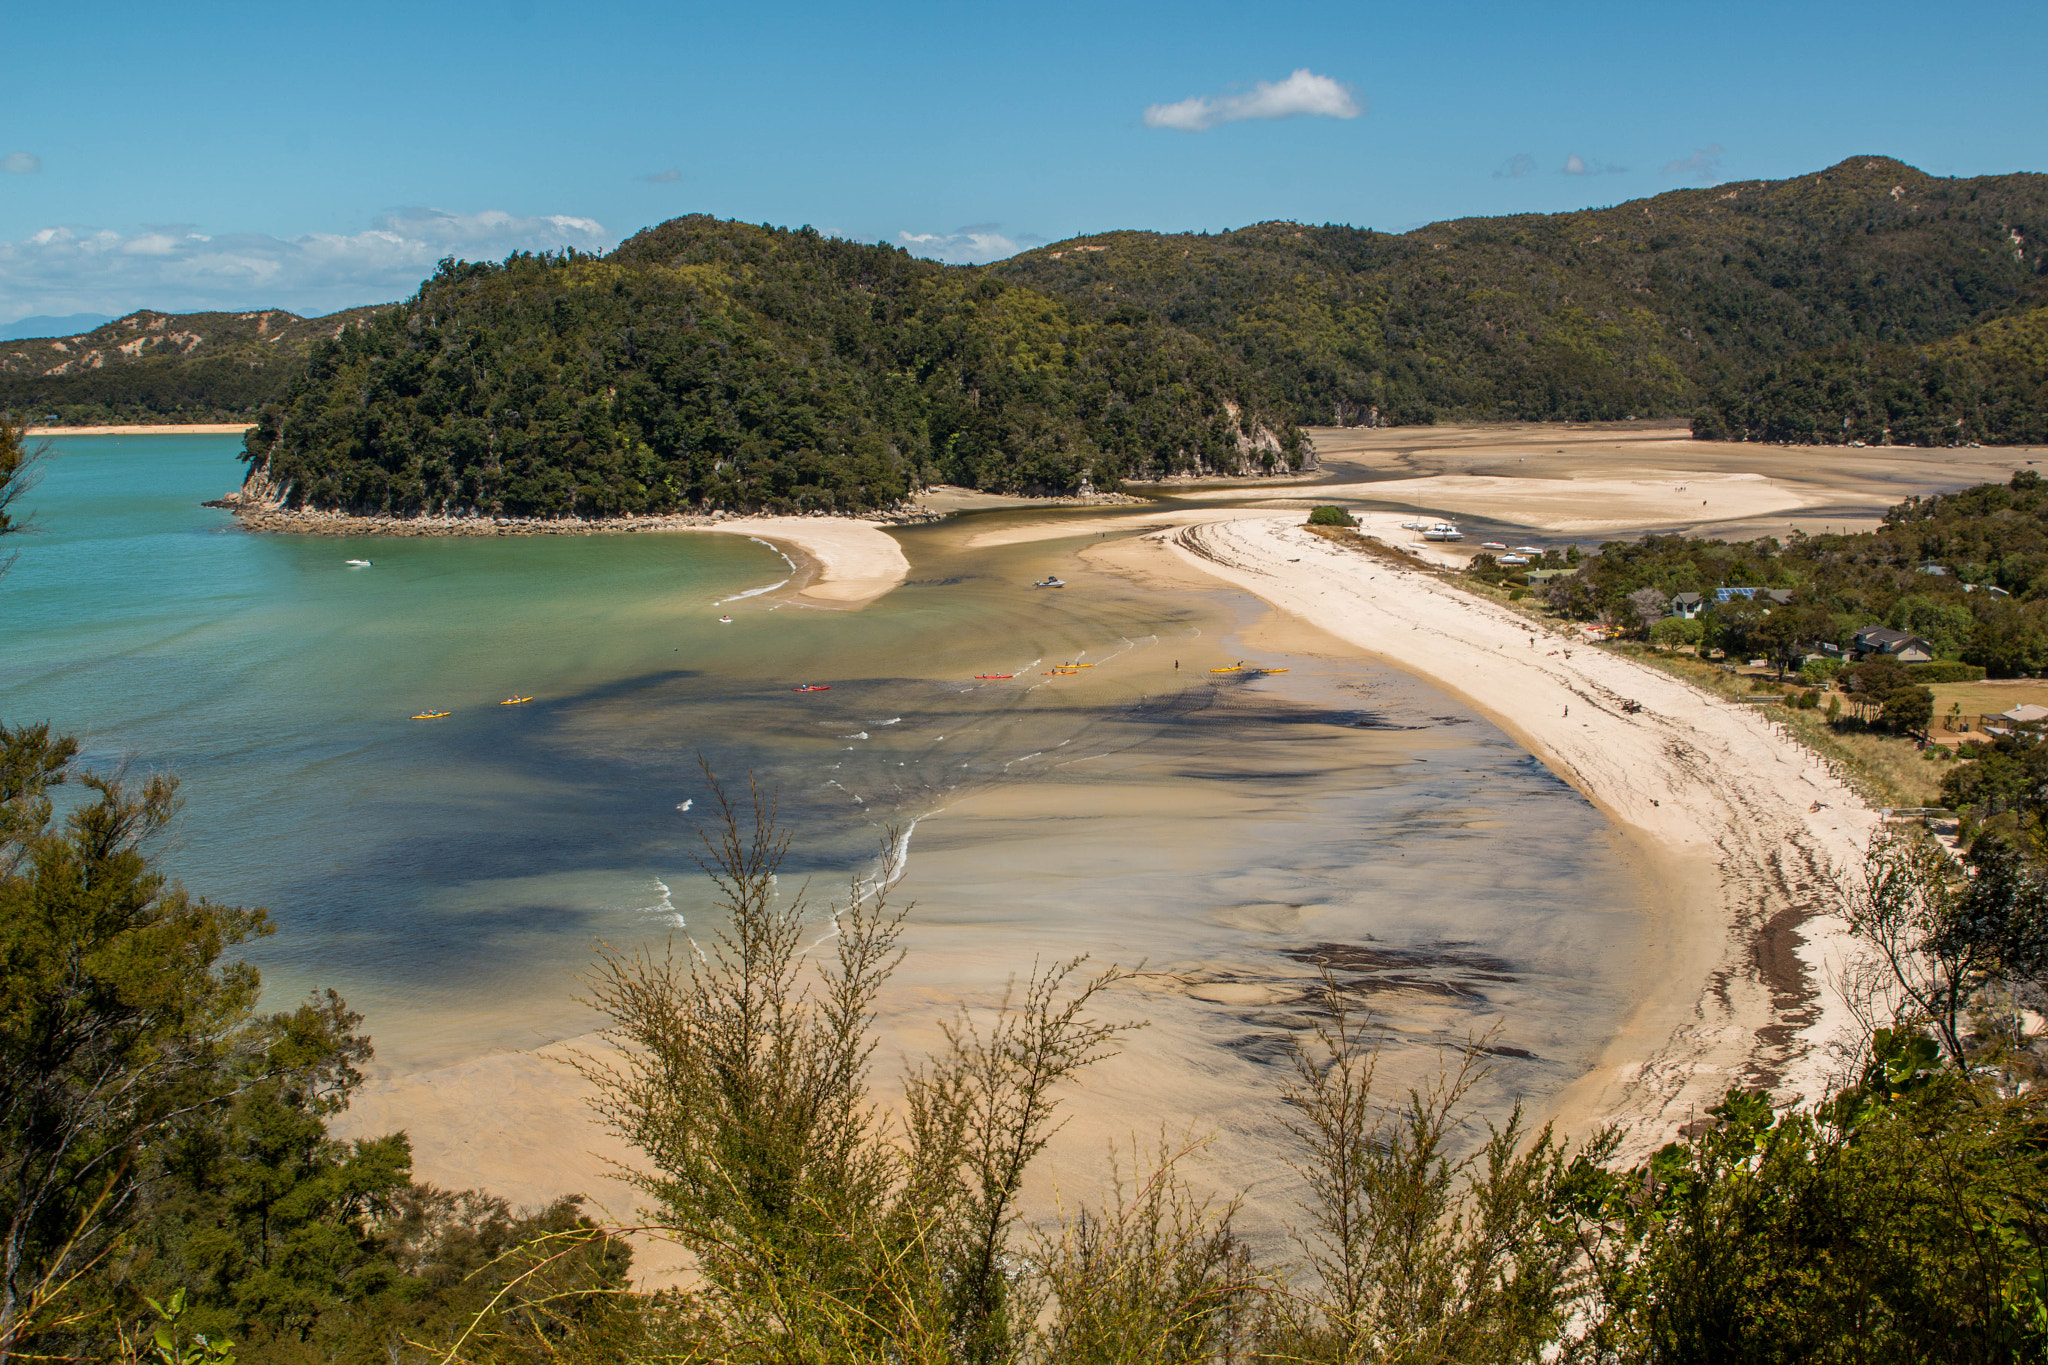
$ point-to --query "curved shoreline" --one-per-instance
(848, 561)
(1748, 830)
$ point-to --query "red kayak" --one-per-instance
(813, 687)
(991, 677)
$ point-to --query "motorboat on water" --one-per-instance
(357, 563)
(1049, 581)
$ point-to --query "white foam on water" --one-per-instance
(897, 721)
(665, 908)
(862, 735)
(750, 592)
(687, 804)
(778, 550)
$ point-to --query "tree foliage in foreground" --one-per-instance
(161, 1139)
(712, 364)
(1897, 1219)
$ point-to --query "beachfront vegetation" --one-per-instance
(1643, 309)
(1966, 571)
(708, 364)
(1330, 516)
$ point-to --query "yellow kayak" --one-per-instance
(1234, 668)
(432, 715)
(515, 701)
(1272, 670)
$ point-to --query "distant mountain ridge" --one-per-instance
(46, 325)
(1643, 309)
(1864, 302)
(155, 367)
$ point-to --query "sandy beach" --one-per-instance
(850, 562)
(1743, 832)
(1747, 827)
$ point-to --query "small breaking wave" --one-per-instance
(751, 592)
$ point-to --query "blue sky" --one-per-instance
(247, 155)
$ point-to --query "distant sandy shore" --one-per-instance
(159, 429)
(1732, 988)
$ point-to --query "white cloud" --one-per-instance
(1578, 165)
(21, 163)
(975, 244)
(61, 270)
(1704, 165)
(1303, 94)
(1515, 167)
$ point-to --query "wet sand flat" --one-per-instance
(1748, 827)
(1769, 489)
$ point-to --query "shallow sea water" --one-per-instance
(450, 877)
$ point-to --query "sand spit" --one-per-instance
(1749, 828)
(149, 429)
(854, 562)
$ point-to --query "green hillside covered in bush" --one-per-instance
(1642, 309)
(715, 364)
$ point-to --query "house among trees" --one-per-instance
(1688, 605)
(1883, 642)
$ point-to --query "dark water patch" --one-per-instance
(1449, 971)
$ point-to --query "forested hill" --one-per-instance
(163, 367)
(716, 364)
(1642, 309)
(1988, 384)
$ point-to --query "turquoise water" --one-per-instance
(451, 876)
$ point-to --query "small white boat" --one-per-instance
(1049, 581)
(1491, 545)
(357, 563)
(1415, 526)
(725, 620)
(1443, 530)
(1528, 550)
(1514, 559)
